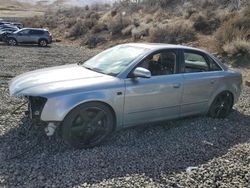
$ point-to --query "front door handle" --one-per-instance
(177, 85)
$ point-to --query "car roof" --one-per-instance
(38, 29)
(160, 46)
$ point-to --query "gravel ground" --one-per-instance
(146, 156)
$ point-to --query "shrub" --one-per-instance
(70, 22)
(92, 41)
(179, 32)
(239, 51)
(117, 24)
(127, 30)
(160, 15)
(237, 47)
(99, 27)
(77, 30)
(236, 28)
(35, 21)
(136, 22)
(93, 15)
(189, 12)
(205, 25)
(113, 13)
(74, 12)
(139, 32)
(148, 19)
(50, 21)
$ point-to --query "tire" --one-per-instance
(222, 105)
(12, 42)
(43, 43)
(88, 125)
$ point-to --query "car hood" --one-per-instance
(56, 79)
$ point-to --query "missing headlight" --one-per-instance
(36, 105)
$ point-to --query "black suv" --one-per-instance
(30, 36)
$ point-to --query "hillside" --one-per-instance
(14, 8)
(67, 2)
(219, 27)
(30, 8)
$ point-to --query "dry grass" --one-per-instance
(205, 23)
(239, 52)
(117, 24)
(127, 31)
(235, 29)
(237, 47)
(99, 27)
(140, 32)
(176, 32)
(77, 30)
(19, 13)
(15, 9)
(154, 22)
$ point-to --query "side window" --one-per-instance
(40, 32)
(163, 63)
(31, 32)
(36, 32)
(24, 32)
(195, 62)
(213, 65)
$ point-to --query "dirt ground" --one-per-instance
(151, 155)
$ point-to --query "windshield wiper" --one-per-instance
(89, 68)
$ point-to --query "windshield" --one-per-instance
(18, 30)
(114, 60)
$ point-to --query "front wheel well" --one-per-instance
(88, 124)
(110, 107)
(100, 102)
(8, 38)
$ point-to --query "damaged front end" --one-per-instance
(35, 107)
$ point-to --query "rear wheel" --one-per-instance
(88, 125)
(222, 105)
(12, 42)
(43, 43)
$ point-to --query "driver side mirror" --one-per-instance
(141, 73)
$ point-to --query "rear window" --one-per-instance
(213, 65)
(195, 62)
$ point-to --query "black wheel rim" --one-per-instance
(89, 126)
(222, 105)
(43, 43)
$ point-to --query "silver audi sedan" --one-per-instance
(127, 85)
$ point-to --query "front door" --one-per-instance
(155, 98)
(23, 36)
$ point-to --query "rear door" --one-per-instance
(199, 82)
(35, 35)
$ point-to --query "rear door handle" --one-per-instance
(177, 85)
